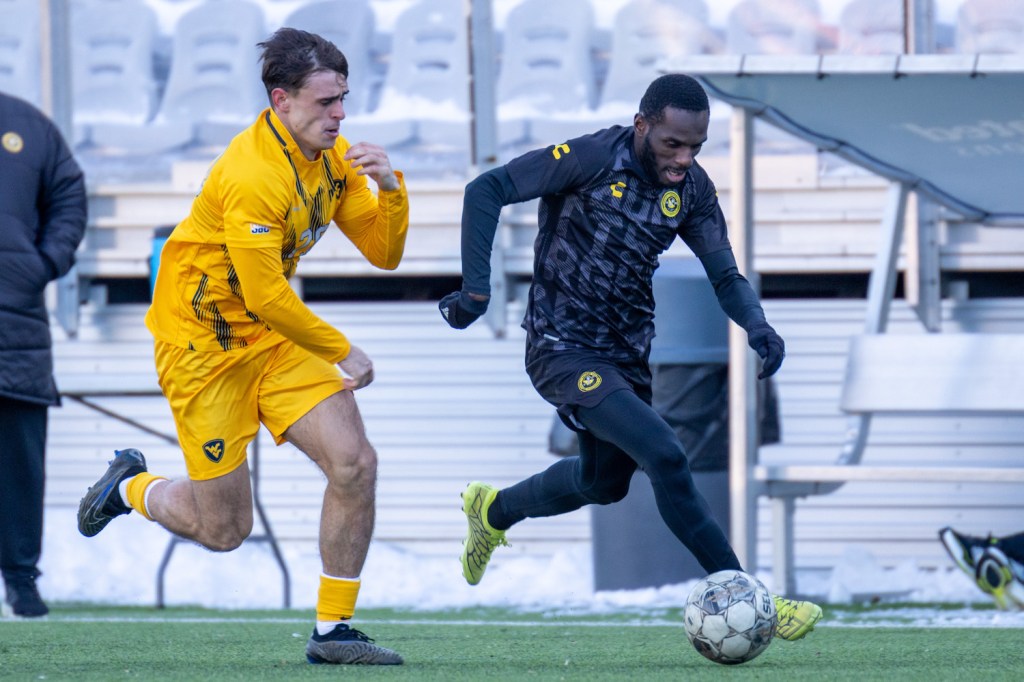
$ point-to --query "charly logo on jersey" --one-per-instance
(559, 150)
(617, 189)
(670, 203)
(588, 381)
(214, 450)
(256, 228)
(12, 142)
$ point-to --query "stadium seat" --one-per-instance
(215, 72)
(213, 90)
(349, 24)
(767, 27)
(19, 50)
(112, 47)
(425, 95)
(871, 27)
(990, 27)
(773, 27)
(547, 85)
(646, 34)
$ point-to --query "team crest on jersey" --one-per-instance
(670, 203)
(214, 450)
(12, 142)
(588, 381)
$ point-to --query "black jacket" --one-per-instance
(42, 221)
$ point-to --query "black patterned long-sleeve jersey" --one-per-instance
(602, 227)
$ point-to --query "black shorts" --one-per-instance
(583, 378)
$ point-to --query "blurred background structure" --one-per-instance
(150, 91)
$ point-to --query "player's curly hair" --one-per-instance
(674, 90)
(291, 56)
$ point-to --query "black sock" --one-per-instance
(496, 516)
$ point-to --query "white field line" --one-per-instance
(895, 618)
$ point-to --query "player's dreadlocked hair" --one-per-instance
(290, 56)
(672, 90)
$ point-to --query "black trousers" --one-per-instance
(621, 433)
(22, 477)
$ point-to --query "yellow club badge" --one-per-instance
(12, 142)
(670, 203)
(588, 381)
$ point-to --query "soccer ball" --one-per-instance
(730, 617)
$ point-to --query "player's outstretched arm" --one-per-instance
(481, 208)
(739, 301)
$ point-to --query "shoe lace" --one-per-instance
(352, 633)
(786, 610)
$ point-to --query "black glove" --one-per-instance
(461, 310)
(769, 345)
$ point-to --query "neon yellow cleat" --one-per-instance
(481, 540)
(795, 618)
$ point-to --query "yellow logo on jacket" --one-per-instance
(588, 381)
(12, 142)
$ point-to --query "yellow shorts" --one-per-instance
(218, 399)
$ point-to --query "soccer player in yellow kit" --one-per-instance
(235, 346)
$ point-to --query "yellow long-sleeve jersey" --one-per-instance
(223, 278)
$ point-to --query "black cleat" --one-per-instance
(23, 596)
(102, 502)
(347, 646)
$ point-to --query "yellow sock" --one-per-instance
(136, 491)
(336, 600)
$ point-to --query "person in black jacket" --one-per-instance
(42, 221)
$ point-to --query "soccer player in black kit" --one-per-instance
(611, 203)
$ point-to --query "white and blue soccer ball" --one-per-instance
(730, 617)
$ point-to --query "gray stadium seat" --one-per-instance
(112, 47)
(767, 27)
(646, 32)
(213, 89)
(990, 27)
(215, 71)
(547, 75)
(425, 94)
(349, 24)
(19, 50)
(871, 27)
(773, 27)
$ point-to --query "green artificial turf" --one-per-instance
(110, 643)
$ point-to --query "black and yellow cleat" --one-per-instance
(987, 565)
(345, 645)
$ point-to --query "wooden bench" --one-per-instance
(907, 374)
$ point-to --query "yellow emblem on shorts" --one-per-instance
(670, 203)
(214, 450)
(12, 142)
(588, 381)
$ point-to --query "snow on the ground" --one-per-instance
(119, 566)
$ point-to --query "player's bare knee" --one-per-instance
(227, 532)
(226, 538)
(357, 469)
